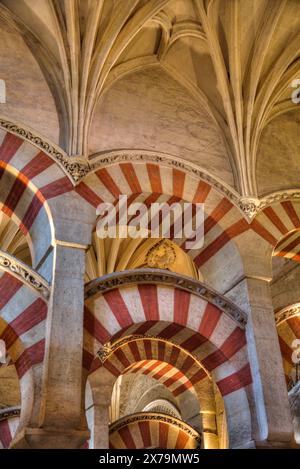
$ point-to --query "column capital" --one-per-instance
(246, 279)
(69, 244)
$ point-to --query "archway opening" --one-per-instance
(10, 398)
(13, 240)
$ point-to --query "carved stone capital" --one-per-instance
(105, 351)
(249, 206)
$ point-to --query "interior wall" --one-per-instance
(28, 98)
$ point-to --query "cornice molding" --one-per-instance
(252, 206)
(157, 417)
(101, 160)
(75, 168)
(164, 277)
(249, 206)
(109, 348)
(287, 313)
(277, 197)
(9, 412)
(25, 274)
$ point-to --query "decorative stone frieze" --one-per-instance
(287, 313)
(24, 273)
(9, 412)
(153, 416)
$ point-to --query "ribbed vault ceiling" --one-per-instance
(237, 58)
(12, 240)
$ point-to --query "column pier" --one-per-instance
(272, 419)
(59, 421)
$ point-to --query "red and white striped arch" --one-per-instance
(279, 225)
(289, 246)
(159, 359)
(8, 428)
(35, 165)
(151, 434)
(23, 166)
(197, 326)
(162, 361)
(190, 322)
(23, 316)
(29, 178)
(223, 221)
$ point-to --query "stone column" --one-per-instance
(272, 412)
(100, 422)
(59, 423)
(102, 383)
(56, 419)
(294, 397)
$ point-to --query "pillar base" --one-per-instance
(266, 444)
(49, 438)
(248, 445)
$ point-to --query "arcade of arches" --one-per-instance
(145, 343)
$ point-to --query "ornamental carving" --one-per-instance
(112, 347)
(107, 349)
(165, 277)
(173, 162)
(287, 313)
(104, 351)
(162, 255)
(249, 206)
(9, 412)
(24, 273)
(74, 167)
(162, 406)
(152, 416)
(78, 167)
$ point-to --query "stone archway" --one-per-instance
(189, 320)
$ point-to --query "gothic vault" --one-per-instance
(144, 342)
